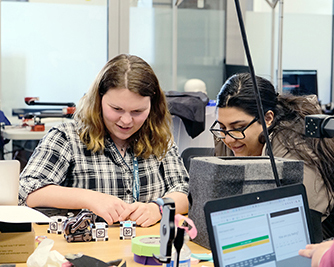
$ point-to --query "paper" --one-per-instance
(21, 214)
(44, 257)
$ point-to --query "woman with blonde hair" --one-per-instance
(117, 156)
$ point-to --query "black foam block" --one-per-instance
(217, 177)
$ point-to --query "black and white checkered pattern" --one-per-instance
(61, 158)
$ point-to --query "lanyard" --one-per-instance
(135, 189)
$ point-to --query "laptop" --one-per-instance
(9, 181)
(264, 229)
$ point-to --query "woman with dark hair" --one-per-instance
(239, 132)
(117, 156)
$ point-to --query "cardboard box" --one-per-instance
(17, 237)
(16, 247)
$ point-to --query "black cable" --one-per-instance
(178, 243)
(257, 93)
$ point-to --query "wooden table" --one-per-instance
(109, 250)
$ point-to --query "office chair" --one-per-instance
(3, 121)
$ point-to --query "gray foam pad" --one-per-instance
(217, 177)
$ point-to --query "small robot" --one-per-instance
(79, 228)
(127, 229)
(57, 224)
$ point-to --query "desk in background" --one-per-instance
(22, 140)
(22, 133)
(22, 143)
(109, 250)
(15, 132)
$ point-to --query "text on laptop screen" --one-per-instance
(264, 234)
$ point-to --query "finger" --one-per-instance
(124, 205)
(304, 253)
(138, 219)
(126, 213)
(109, 220)
(147, 223)
(106, 216)
(311, 246)
(120, 206)
(124, 216)
(113, 215)
(120, 211)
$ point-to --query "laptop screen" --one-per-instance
(264, 233)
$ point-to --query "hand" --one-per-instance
(144, 214)
(106, 206)
(315, 251)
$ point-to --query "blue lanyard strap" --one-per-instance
(135, 189)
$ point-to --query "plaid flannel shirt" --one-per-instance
(62, 159)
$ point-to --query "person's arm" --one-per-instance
(322, 254)
(48, 165)
(181, 202)
(106, 206)
(51, 165)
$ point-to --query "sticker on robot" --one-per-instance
(56, 226)
(100, 231)
(127, 229)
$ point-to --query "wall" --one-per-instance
(200, 44)
(307, 38)
(51, 51)
(304, 46)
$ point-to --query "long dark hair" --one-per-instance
(289, 121)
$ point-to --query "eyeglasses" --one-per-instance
(236, 133)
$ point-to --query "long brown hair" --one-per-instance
(133, 73)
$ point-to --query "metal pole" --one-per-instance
(174, 46)
(257, 92)
(332, 59)
(280, 48)
(272, 58)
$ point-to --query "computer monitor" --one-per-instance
(300, 82)
(231, 69)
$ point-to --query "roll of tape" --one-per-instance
(146, 245)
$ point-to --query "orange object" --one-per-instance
(30, 99)
(38, 128)
(69, 110)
